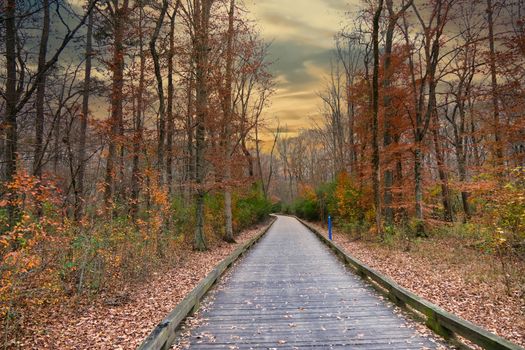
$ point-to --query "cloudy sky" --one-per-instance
(301, 33)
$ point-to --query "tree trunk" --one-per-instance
(387, 100)
(443, 176)
(249, 159)
(81, 151)
(201, 20)
(56, 140)
(462, 170)
(418, 179)
(160, 91)
(259, 161)
(40, 95)
(138, 116)
(116, 102)
(388, 111)
(494, 87)
(227, 109)
(425, 108)
(171, 93)
(461, 152)
(375, 117)
(11, 95)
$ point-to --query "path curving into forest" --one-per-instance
(290, 291)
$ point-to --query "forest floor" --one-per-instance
(122, 322)
(447, 271)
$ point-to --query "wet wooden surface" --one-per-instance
(291, 292)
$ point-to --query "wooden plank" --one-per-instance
(292, 292)
(163, 335)
(439, 320)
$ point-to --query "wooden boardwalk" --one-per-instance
(291, 292)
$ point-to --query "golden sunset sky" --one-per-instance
(301, 33)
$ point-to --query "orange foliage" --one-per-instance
(27, 249)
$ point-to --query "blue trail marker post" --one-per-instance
(329, 227)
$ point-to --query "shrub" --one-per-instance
(306, 208)
(250, 209)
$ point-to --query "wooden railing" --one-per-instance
(440, 321)
(164, 334)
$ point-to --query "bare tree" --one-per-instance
(19, 90)
(375, 117)
(40, 94)
(494, 85)
(160, 90)
(81, 151)
(138, 121)
(423, 87)
(171, 96)
(227, 110)
(201, 20)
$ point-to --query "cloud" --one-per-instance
(297, 28)
(341, 5)
(301, 34)
(291, 59)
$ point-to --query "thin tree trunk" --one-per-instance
(11, 95)
(266, 188)
(40, 95)
(387, 101)
(227, 109)
(425, 108)
(418, 185)
(443, 176)
(160, 91)
(494, 86)
(201, 19)
(56, 146)
(81, 151)
(249, 158)
(461, 152)
(462, 170)
(137, 137)
(375, 117)
(116, 101)
(171, 93)
(190, 176)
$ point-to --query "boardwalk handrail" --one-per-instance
(440, 321)
(164, 334)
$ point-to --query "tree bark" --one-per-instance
(116, 100)
(425, 107)
(375, 117)
(81, 151)
(11, 124)
(40, 94)
(387, 101)
(443, 176)
(461, 155)
(171, 95)
(190, 159)
(227, 110)
(160, 91)
(494, 86)
(201, 20)
(138, 117)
